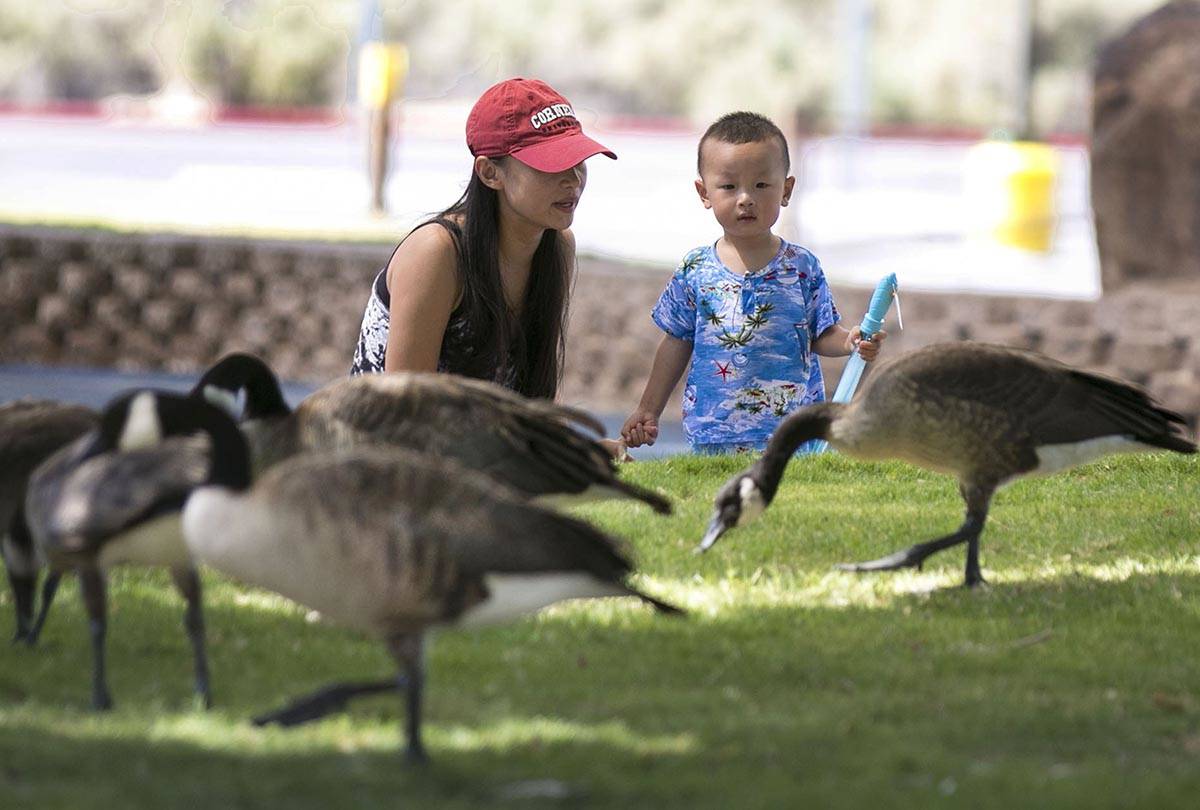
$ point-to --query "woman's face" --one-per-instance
(542, 199)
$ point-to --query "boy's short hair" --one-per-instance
(743, 127)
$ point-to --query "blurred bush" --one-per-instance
(269, 52)
(939, 62)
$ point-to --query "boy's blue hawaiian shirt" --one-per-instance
(752, 360)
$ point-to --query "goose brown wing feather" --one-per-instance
(430, 512)
(1041, 400)
(531, 445)
(31, 430)
(1009, 380)
(75, 506)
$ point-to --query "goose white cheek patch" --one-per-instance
(752, 501)
(142, 428)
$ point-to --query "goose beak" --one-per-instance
(716, 528)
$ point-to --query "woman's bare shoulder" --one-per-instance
(428, 251)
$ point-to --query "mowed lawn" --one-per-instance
(1072, 680)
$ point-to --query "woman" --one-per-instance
(484, 292)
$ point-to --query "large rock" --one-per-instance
(1146, 148)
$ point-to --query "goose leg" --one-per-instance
(322, 702)
(92, 589)
(913, 557)
(188, 583)
(22, 572)
(23, 588)
(409, 652)
(977, 499)
(49, 589)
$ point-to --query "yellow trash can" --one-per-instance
(1010, 187)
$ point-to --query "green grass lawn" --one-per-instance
(1072, 680)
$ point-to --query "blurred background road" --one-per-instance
(865, 206)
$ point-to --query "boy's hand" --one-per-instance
(640, 428)
(616, 449)
(869, 349)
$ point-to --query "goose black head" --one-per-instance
(130, 421)
(238, 374)
(741, 500)
(142, 419)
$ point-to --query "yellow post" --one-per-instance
(1010, 188)
(382, 67)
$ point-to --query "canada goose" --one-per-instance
(386, 541)
(30, 431)
(114, 496)
(104, 488)
(530, 445)
(984, 414)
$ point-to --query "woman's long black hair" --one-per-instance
(526, 355)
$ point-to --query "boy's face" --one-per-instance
(745, 185)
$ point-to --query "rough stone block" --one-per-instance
(1148, 353)
(217, 258)
(83, 281)
(190, 284)
(165, 317)
(1073, 346)
(29, 343)
(1002, 311)
(269, 263)
(212, 321)
(111, 250)
(242, 288)
(58, 312)
(140, 350)
(134, 281)
(27, 277)
(328, 363)
(115, 313)
(1178, 390)
(90, 347)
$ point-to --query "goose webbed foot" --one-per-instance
(909, 558)
(323, 702)
(912, 557)
(188, 583)
(415, 754)
(974, 578)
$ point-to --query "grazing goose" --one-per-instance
(529, 445)
(984, 414)
(114, 496)
(392, 543)
(30, 431)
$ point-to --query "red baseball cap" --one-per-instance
(527, 119)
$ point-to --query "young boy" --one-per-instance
(749, 312)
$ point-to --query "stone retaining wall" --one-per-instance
(131, 301)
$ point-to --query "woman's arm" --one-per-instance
(422, 280)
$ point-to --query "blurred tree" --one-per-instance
(940, 62)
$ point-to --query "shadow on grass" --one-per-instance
(836, 704)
